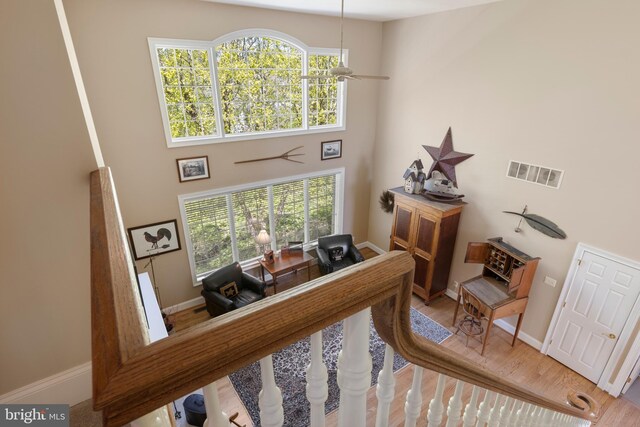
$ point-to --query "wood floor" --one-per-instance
(522, 364)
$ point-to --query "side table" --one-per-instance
(286, 264)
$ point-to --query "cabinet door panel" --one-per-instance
(403, 223)
(426, 233)
(477, 253)
(422, 270)
(397, 246)
(516, 278)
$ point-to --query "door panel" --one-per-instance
(397, 246)
(598, 303)
(422, 270)
(477, 253)
(426, 233)
(403, 223)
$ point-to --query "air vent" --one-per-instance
(543, 175)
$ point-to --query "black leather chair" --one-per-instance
(336, 252)
(249, 289)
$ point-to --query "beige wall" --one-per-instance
(45, 160)
(111, 42)
(548, 82)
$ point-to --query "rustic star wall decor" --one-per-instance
(445, 159)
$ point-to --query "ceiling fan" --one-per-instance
(341, 72)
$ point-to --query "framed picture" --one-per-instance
(193, 168)
(331, 149)
(154, 239)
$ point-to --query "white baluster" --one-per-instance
(270, 398)
(354, 370)
(536, 416)
(455, 405)
(413, 403)
(470, 411)
(520, 415)
(215, 416)
(546, 417)
(436, 408)
(561, 419)
(485, 409)
(158, 418)
(505, 412)
(317, 389)
(385, 390)
(494, 415)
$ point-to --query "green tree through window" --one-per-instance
(249, 85)
(222, 227)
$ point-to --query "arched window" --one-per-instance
(244, 85)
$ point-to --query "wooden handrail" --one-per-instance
(132, 377)
(117, 319)
(393, 324)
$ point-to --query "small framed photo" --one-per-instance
(154, 239)
(193, 168)
(331, 149)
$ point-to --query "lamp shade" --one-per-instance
(263, 238)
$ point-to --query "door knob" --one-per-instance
(610, 336)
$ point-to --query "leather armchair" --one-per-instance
(327, 263)
(250, 289)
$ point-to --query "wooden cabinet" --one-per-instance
(428, 231)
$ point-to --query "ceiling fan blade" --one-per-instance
(318, 77)
(362, 76)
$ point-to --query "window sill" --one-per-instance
(252, 136)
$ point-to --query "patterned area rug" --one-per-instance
(290, 364)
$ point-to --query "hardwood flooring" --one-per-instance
(522, 364)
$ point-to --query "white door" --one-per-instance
(599, 300)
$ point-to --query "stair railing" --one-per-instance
(132, 377)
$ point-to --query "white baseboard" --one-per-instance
(184, 305)
(68, 387)
(371, 246)
(503, 324)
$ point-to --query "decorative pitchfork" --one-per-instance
(285, 156)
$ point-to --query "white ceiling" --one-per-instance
(375, 10)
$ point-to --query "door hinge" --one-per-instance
(563, 304)
(550, 342)
(579, 261)
(629, 379)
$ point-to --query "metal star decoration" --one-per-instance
(445, 159)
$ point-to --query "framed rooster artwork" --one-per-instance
(154, 239)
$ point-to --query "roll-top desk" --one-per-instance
(503, 287)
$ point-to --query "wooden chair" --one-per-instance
(471, 323)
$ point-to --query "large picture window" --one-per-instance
(244, 85)
(221, 225)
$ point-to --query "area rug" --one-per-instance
(290, 364)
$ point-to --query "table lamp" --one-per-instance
(263, 239)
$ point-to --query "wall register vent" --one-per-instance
(543, 175)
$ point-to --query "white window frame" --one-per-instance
(339, 173)
(220, 137)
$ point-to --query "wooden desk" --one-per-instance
(503, 288)
(286, 264)
(495, 303)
